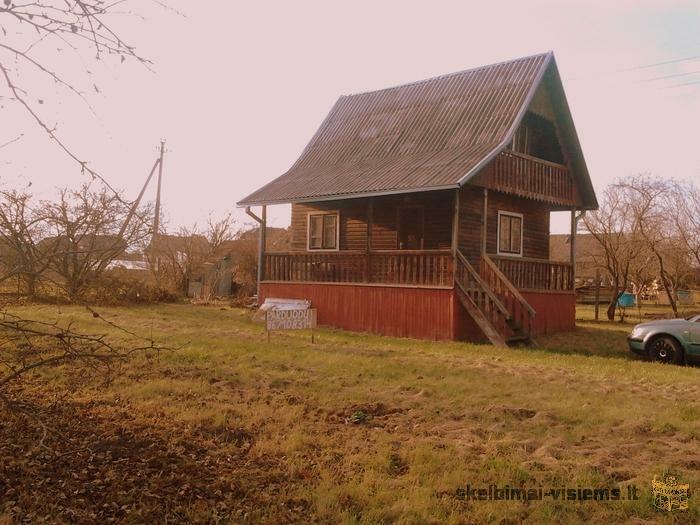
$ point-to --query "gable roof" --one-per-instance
(427, 135)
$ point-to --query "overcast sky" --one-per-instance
(238, 88)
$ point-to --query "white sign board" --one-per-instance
(298, 319)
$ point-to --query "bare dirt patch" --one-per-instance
(103, 466)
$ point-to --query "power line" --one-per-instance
(643, 66)
(672, 76)
(656, 64)
(685, 84)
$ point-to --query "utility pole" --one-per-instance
(136, 203)
(156, 217)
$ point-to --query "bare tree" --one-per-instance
(614, 228)
(35, 37)
(220, 231)
(685, 203)
(651, 202)
(22, 229)
(37, 34)
(90, 228)
(192, 252)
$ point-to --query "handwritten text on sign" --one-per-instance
(291, 319)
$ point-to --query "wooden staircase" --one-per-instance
(493, 302)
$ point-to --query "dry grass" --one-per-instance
(363, 429)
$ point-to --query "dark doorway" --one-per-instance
(410, 228)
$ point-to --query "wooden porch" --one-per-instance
(427, 268)
(495, 291)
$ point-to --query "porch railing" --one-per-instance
(520, 310)
(398, 267)
(536, 274)
(485, 307)
(531, 177)
(411, 268)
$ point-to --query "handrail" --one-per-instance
(485, 288)
(532, 177)
(506, 282)
(395, 267)
(535, 159)
(527, 259)
(363, 252)
(535, 274)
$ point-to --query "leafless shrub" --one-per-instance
(89, 229)
(177, 259)
(22, 228)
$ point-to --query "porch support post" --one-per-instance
(572, 246)
(484, 221)
(455, 225)
(368, 247)
(574, 229)
(262, 224)
(262, 246)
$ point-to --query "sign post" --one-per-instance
(296, 319)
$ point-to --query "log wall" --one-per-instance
(437, 205)
(535, 222)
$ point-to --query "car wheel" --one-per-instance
(665, 349)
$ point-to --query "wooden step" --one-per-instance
(515, 339)
(480, 319)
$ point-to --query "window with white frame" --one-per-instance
(510, 233)
(323, 231)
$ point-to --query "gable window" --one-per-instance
(323, 231)
(510, 233)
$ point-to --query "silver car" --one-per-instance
(667, 340)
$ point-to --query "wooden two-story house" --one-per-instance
(423, 210)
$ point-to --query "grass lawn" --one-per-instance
(352, 429)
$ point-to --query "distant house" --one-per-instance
(231, 267)
(590, 256)
(422, 210)
(177, 247)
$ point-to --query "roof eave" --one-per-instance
(345, 196)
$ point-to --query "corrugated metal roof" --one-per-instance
(430, 134)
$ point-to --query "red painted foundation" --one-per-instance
(421, 313)
(555, 312)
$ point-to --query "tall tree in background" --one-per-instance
(614, 228)
(685, 204)
(651, 203)
(649, 230)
